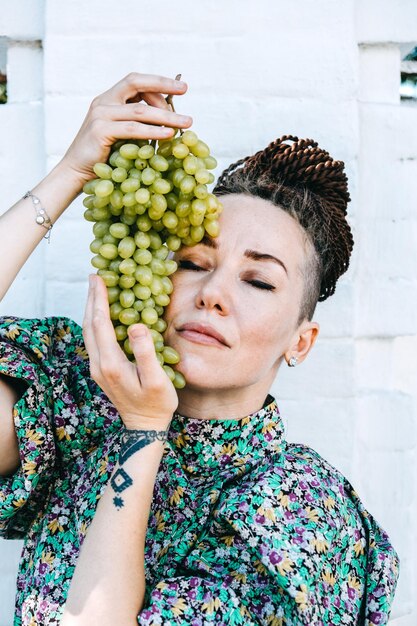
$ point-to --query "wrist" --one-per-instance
(69, 176)
(141, 423)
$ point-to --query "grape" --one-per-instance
(119, 230)
(127, 266)
(129, 151)
(147, 201)
(103, 170)
(180, 151)
(121, 332)
(126, 247)
(119, 174)
(108, 251)
(116, 199)
(126, 282)
(133, 184)
(104, 188)
(149, 316)
(148, 176)
(142, 257)
(146, 152)
(115, 310)
(159, 163)
(189, 138)
(200, 149)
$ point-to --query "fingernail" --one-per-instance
(139, 331)
(91, 281)
(181, 83)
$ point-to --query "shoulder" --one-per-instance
(44, 337)
(300, 487)
(309, 528)
(312, 483)
(306, 490)
(309, 470)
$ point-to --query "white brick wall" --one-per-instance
(327, 70)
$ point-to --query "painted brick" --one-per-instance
(25, 297)
(388, 250)
(9, 559)
(192, 22)
(386, 421)
(21, 125)
(27, 85)
(334, 125)
(326, 372)
(67, 258)
(22, 19)
(201, 63)
(324, 424)
(385, 308)
(380, 74)
(66, 299)
(386, 20)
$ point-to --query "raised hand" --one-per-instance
(134, 108)
(141, 392)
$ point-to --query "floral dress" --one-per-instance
(244, 528)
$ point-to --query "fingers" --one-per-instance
(131, 130)
(107, 361)
(135, 83)
(102, 347)
(143, 113)
(88, 334)
(156, 100)
(149, 369)
(109, 353)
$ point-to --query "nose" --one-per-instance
(214, 293)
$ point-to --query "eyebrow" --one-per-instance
(250, 254)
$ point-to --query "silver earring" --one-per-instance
(292, 362)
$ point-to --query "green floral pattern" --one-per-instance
(244, 528)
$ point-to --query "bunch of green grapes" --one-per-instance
(147, 201)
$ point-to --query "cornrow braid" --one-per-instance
(303, 179)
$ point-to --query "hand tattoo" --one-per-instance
(132, 441)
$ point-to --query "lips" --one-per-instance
(204, 329)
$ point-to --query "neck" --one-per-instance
(222, 403)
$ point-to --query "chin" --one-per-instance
(200, 372)
(193, 368)
(203, 366)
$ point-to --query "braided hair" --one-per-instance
(304, 180)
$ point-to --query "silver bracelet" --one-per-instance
(42, 218)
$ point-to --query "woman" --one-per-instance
(197, 510)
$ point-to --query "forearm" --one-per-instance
(108, 585)
(19, 232)
(9, 449)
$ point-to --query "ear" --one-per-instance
(303, 341)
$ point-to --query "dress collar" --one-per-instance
(207, 446)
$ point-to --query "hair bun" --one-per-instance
(287, 171)
(302, 163)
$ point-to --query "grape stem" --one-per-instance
(170, 98)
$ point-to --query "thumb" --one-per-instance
(143, 348)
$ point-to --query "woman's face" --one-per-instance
(250, 299)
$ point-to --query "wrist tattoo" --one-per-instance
(132, 441)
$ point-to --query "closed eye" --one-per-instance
(189, 265)
(260, 285)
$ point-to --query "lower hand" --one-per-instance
(119, 113)
(141, 392)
